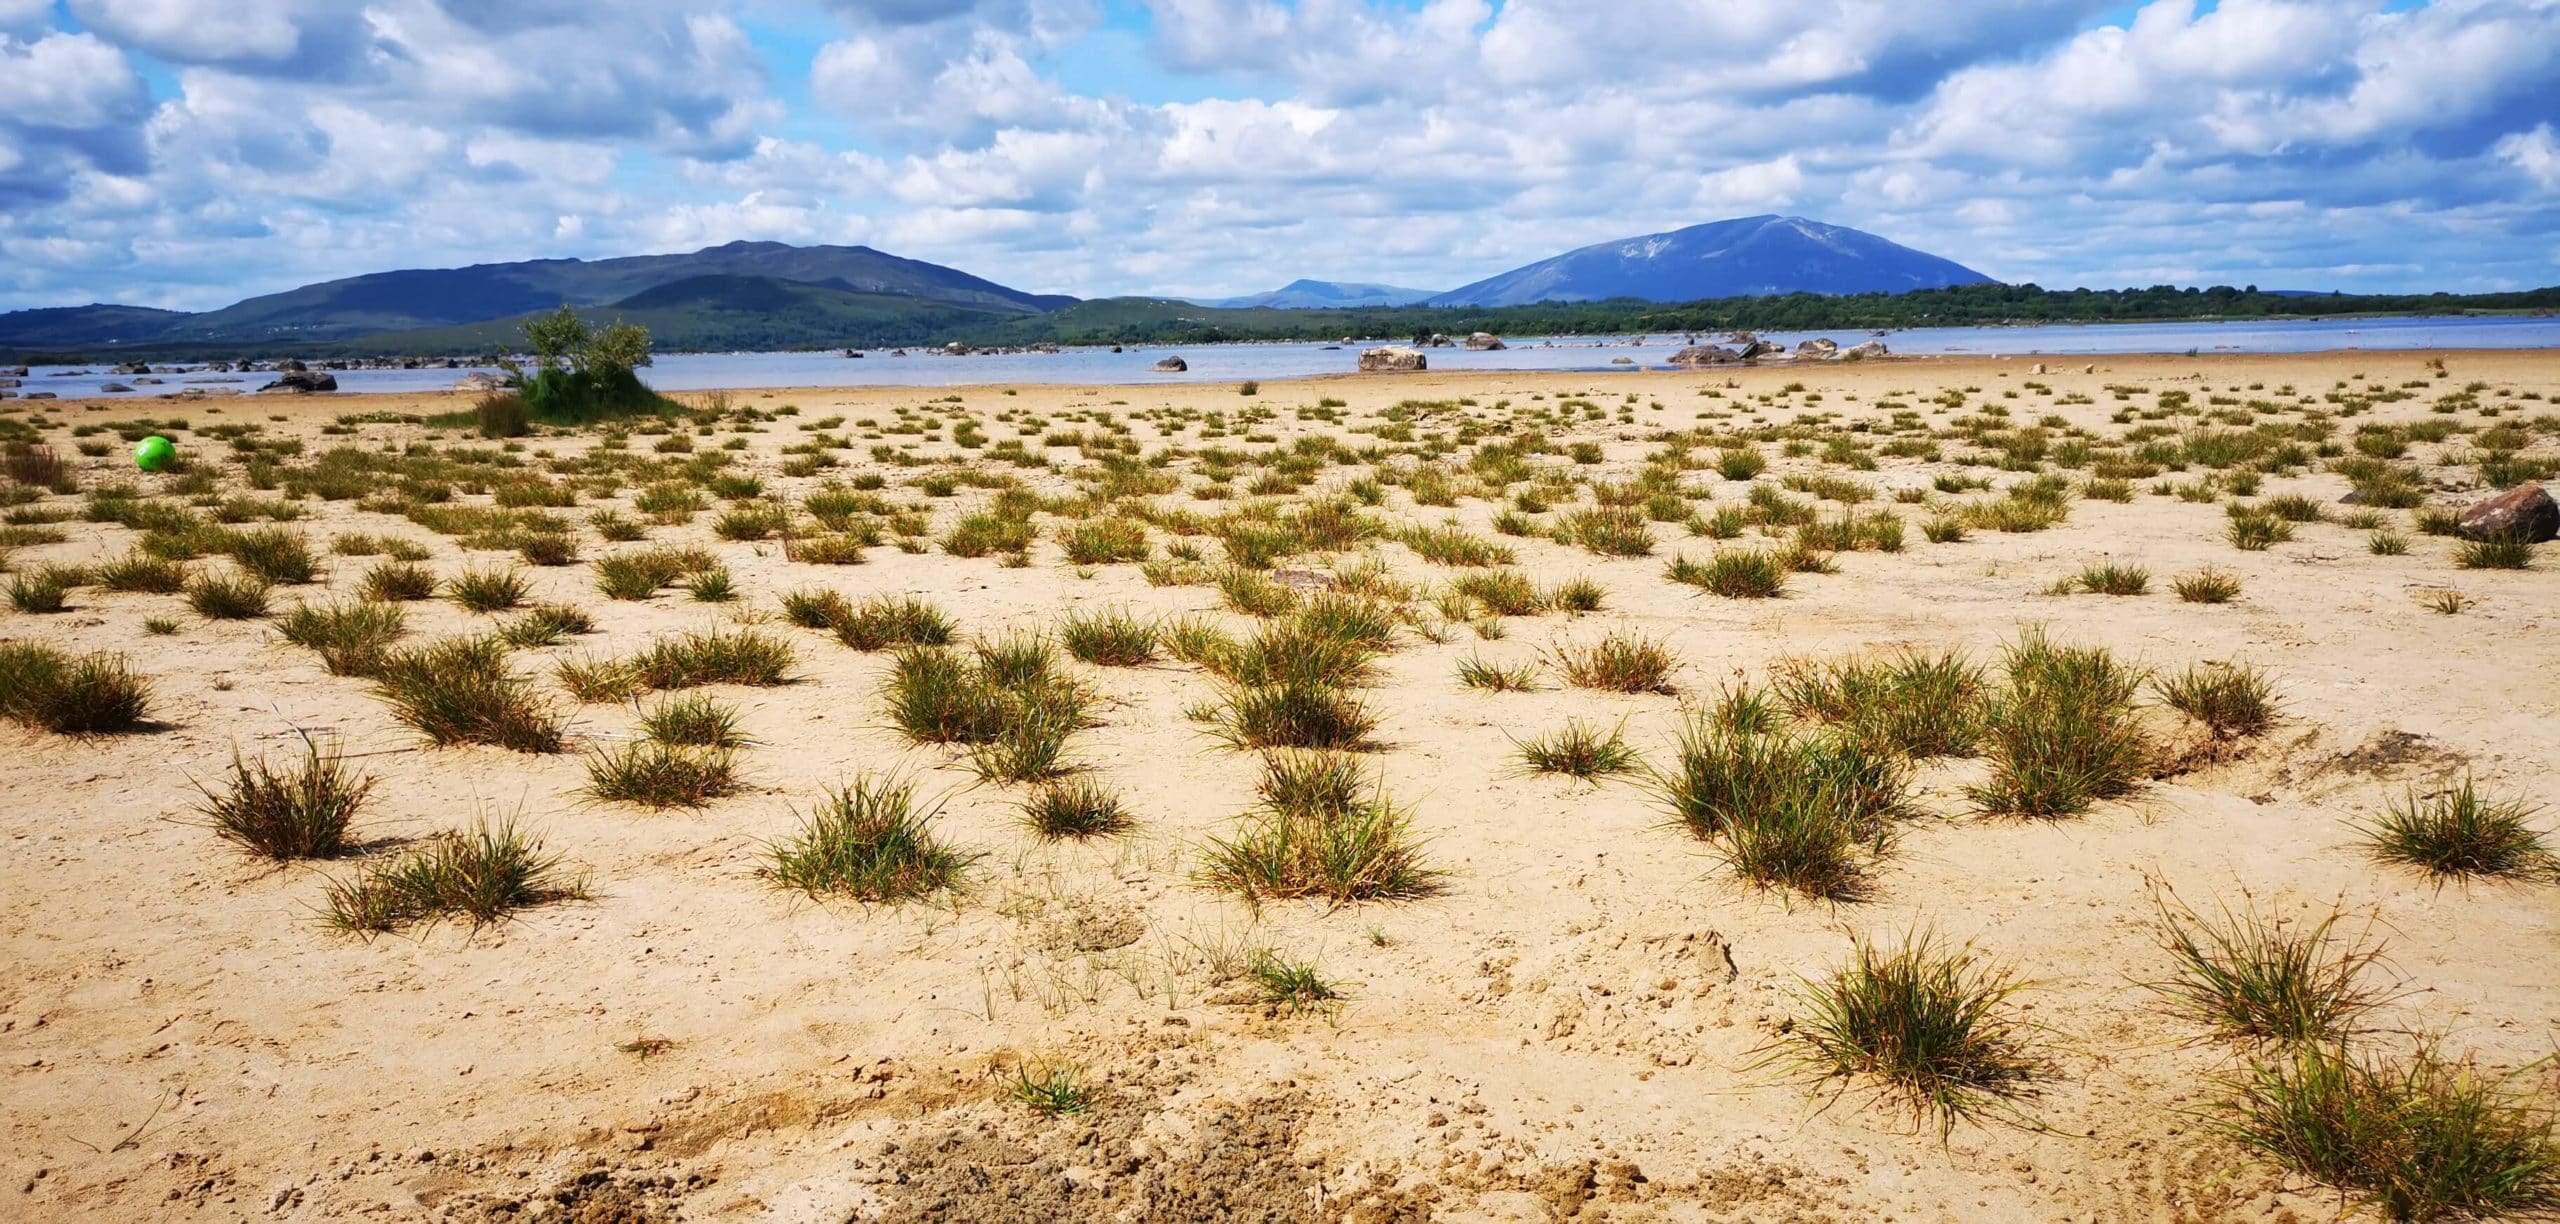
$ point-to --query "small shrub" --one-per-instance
(1931, 1030)
(1618, 663)
(291, 813)
(94, 694)
(2459, 833)
(868, 841)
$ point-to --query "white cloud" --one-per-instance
(2537, 153)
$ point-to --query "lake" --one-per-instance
(1238, 362)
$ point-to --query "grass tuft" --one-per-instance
(1578, 751)
(868, 841)
(1075, 809)
(94, 694)
(351, 638)
(2063, 736)
(2459, 833)
(653, 774)
(1324, 829)
(1618, 663)
(461, 691)
(1930, 1029)
(2232, 701)
(2254, 977)
(297, 812)
(479, 876)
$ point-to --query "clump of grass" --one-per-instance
(1007, 705)
(479, 876)
(1578, 751)
(1917, 703)
(546, 625)
(296, 812)
(599, 680)
(350, 637)
(1295, 714)
(461, 691)
(399, 582)
(744, 656)
(2418, 1137)
(1929, 1029)
(2506, 552)
(1055, 1089)
(1108, 638)
(2387, 543)
(868, 841)
(1793, 811)
(653, 774)
(2250, 531)
(1503, 592)
(93, 694)
(640, 574)
(41, 592)
(485, 591)
(1075, 809)
(815, 609)
(1577, 595)
(2113, 579)
(2445, 602)
(2254, 977)
(1323, 829)
(142, 573)
(1479, 673)
(2232, 701)
(1610, 531)
(2207, 586)
(1619, 663)
(2459, 833)
(2063, 736)
(693, 722)
(1735, 573)
(279, 556)
(227, 596)
(1299, 986)
(882, 622)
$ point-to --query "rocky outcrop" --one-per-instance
(1757, 347)
(1485, 342)
(114, 388)
(1862, 352)
(134, 367)
(1705, 355)
(1817, 349)
(1172, 365)
(1394, 357)
(302, 382)
(2525, 511)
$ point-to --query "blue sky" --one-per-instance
(185, 153)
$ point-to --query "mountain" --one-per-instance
(1316, 294)
(72, 327)
(734, 314)
(1746, 257)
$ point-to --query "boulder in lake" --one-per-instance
(1394, 357)
(37, 395)
(1172, 365)
(302, 382)
(1705, 355)
(2526, 511)
(479, 382)
(134, 367)
(1485, 342)
(114, 388)
(1861, 352)
(1757, 348)
(1817, 349)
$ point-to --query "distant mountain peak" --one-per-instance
(1740, 257)
(1307, 294)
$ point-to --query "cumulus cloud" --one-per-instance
(2319, 142)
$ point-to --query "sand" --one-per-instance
(1578, 1027)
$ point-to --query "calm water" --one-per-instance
(1236, 362)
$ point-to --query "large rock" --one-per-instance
(302, 382)
(1704, 355)
(114, 388)
(1486, 342)
(1861, 352)
(1758, 348)
(134, 367)
(1172, 365)
(1817, 349)
(2525, 510)
(1394, 357)
(480, 382)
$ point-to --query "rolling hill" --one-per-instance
(1746, 257)
(1316, 294)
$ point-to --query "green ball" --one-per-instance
(154, 453)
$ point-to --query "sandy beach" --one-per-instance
(1588, 1017)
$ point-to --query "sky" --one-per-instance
(188, 153)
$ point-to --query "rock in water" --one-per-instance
(2525, 510)
(1394, 357)
(1705, 354)
(479, 383)
(1872, 348)
(1172, 365)
(1485, 342)
(303, 382)
(1817, 349)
